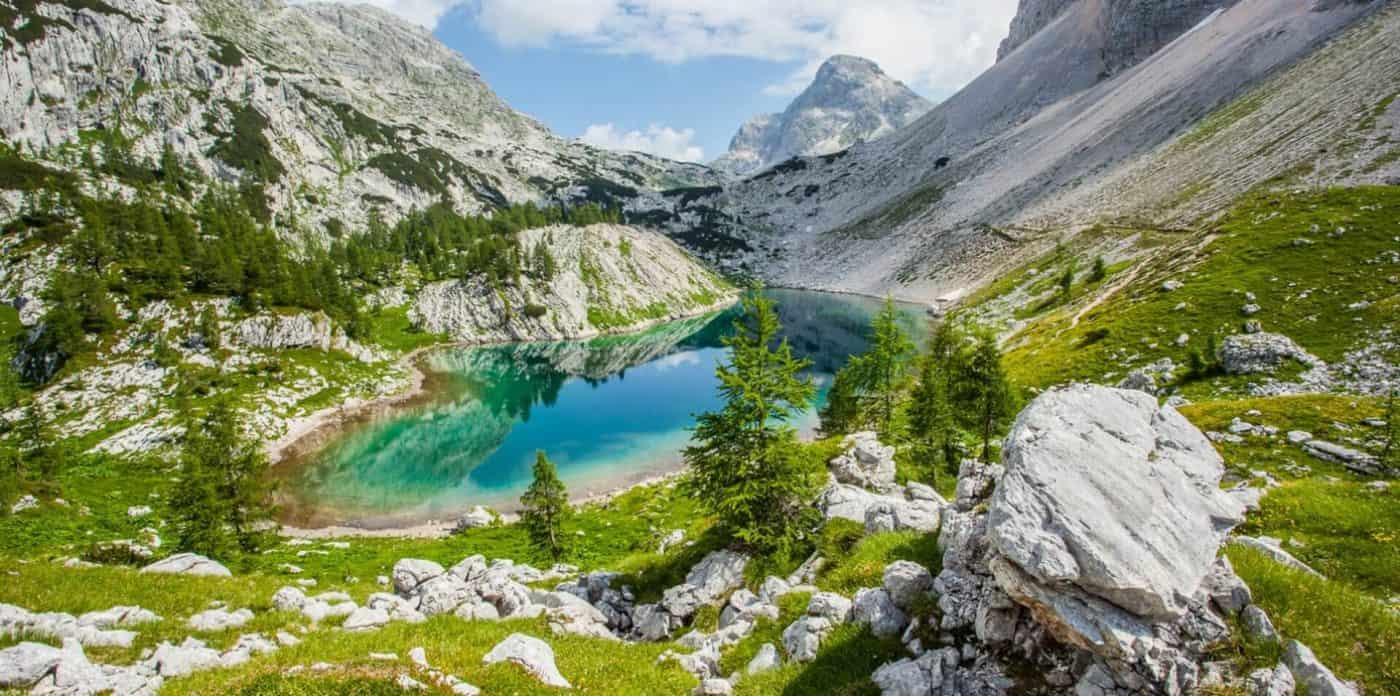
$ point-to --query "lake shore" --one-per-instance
(306, 434)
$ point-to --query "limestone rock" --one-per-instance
(1272, 682)
(865, 463)
(410, 573)
(1071, 510)
(478, 516)
(530, 653)
(907, 582)
(23, 665)
(219, 620)
(188, 564)
(1246, 354)
(366, 619)
(803, 637)
(765, 659)
(1313, 676)
(830, 606)
(875, 608)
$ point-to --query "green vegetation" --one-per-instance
(545, 508)
(247, 147)
(1355, 635)
(221, 500)
(744, 465)
(1317, 263)
(866, 390)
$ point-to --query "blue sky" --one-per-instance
(678, 77)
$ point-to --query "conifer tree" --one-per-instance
(743, 460)
(986, 393)
(888, 363)
(931, 422)
(842, 412)
(1100, 270)
(545, 508)
(221, 499)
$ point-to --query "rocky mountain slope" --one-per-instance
(1080, 126)
(326, 112)
(851, 101)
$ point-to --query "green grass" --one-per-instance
(1304, 290)
(1353, 634)
(456, 647)
(390, 328)
(855, 561)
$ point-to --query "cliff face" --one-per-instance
(328, 111)
(1135, 28)
(851, 100)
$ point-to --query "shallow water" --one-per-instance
(608, 412)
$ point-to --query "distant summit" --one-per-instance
(851, 100)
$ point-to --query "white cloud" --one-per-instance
(933, 45)
(662, 141)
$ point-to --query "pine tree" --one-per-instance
(545, 508)
(888, 363)
(931, 415)
(1067, 282)
(222, 498)
(986, 394)
(743, 460)
(1100, 270)
(842, 412)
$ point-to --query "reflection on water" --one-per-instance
(607, 411)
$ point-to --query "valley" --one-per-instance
(324, 370)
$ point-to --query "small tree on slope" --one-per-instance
(546, 506)
(986, 393)
(744, 462)
(222, 498)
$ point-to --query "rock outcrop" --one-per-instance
(532, 654)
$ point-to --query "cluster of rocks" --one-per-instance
(45, 669)
(862, 489)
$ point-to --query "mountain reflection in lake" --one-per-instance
(608, 411)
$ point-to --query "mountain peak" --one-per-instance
(851, 100)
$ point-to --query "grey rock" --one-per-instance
(865, 463)
(911, 677)
(851, 100)
(187, 658)
(1313, 676)
(410, 573)
(714, 687)
(803, 637)
(366, 619)
(875, 608)
(1272, 682)
(907, 583)
(765, 660)
(533, 654)
(1070, 510)
(23, 665)
(219, 620)
(1246, 354)
(1257, 624)
(1226, 589)
(442, 595)
(830, 606)
(188, 564)
(1271, 548)
(476, 517)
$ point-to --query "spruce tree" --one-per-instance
(1100, 270)
(986, 394)
(887, 363)
(743, 461)
(221, 499)
(842, 412)
(545, 508)
(931, 421)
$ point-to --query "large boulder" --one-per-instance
(532, 654)
(1112, 497)
(865, 463)
(708, 582)
(25, 664)
(875, 608)
(1260, 352)
(907, 582)
(188, 564)
(410, 573)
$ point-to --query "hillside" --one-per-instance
(1057, 136)
(321, 113)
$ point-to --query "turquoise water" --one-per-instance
(608, 412)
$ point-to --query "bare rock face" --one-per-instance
(850, 101)
(1138, 28)
(1247, 354)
